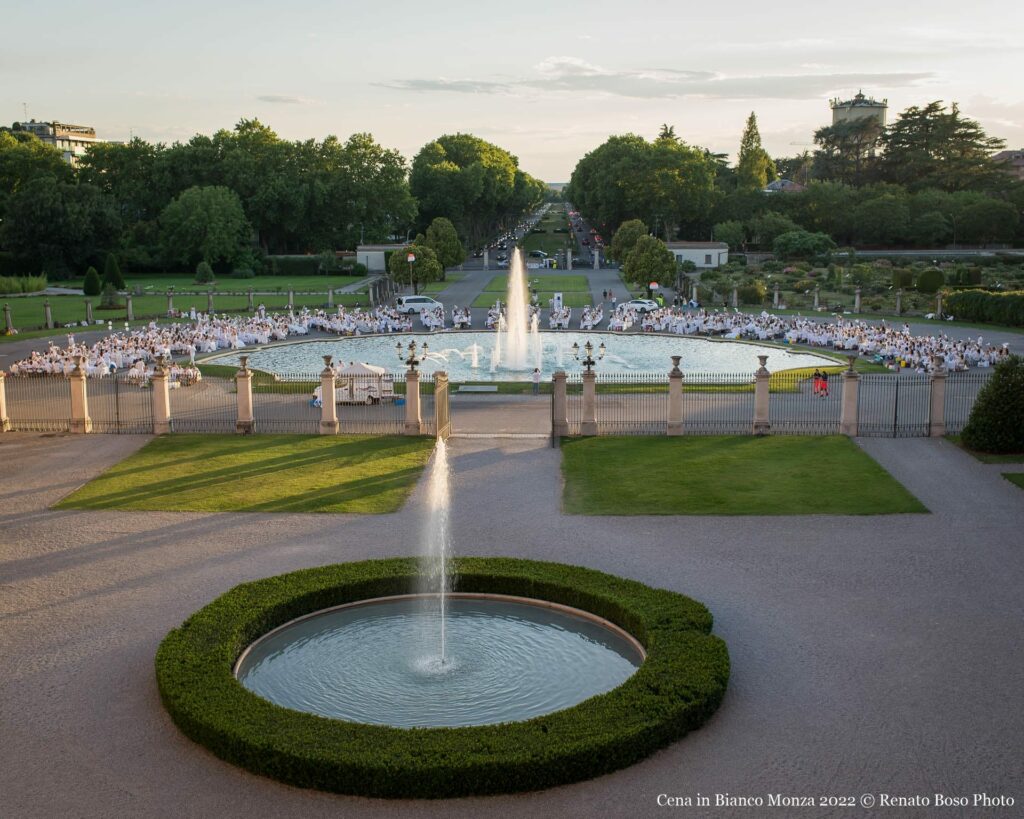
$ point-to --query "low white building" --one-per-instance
(703, 254)
(374, 256)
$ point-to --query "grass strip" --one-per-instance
(727, 475)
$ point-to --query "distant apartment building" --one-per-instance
(1012, 161)
(859, 107)
(70, 140)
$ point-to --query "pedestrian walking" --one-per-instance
(536, 381)
(823, 391)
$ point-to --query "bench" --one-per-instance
(476, 388)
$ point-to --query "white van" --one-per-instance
(413, 304)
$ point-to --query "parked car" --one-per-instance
(640, 305)
(413, 304)
(538, 254)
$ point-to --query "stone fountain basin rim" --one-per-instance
(506, 598)
(211, 358)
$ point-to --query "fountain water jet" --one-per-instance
(516, 315)
(437, 539)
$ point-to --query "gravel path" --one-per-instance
(870, 654)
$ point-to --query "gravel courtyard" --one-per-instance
(870, 655)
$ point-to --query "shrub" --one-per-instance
(242, 273)
(204, 273)
(112, 273)
(92, 286)
(359, 269)
(109, 297)
(22, 284)
(772, 266)
(983, 305)
(677, 688)
(754, 292)
(294, 265)
(996, 423)
(931, 280)
(902, 278)
(802, 244)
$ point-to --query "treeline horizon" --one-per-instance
(925, 180)
(234, 198)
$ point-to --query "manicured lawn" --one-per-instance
(727, 475)
(184, 281)
(261, 473)
(569, 299)
(554, 282)
(1015, 477)
(28, 312)
(988, 457)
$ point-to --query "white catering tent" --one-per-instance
(362, 383)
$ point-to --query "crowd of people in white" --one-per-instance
(138, 350)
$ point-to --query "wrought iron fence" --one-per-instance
(288, 403)
(631, 403)
(209, 405)
(718, 403)
(894, 406)
(39, 403)
(120, 404)
(961, 392)
(799, 405)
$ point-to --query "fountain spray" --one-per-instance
(438, 538)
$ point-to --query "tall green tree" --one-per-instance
(442, 238)
(754, 167)
(59, 227)
(629, 233)
(932, 147)
(846, 150)
(24, 157)
(650, 261)
(424, 269)
(205, 224)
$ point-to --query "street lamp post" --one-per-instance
(409, 356)
(588, 349)
(411, 259)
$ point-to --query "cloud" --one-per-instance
(456, 86)
(285, 99)
(573, 75)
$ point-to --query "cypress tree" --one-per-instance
(755, 168)
(92, 285)
(112, 273)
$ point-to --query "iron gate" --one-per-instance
(39, 403)
(894, 406)
(120, 404)
(799, 406)
(718, 403)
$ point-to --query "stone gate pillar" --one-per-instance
(817, 297)
(5, 421)
(47, 314)
(328, 409)
(8, 324)
(762, 391)
(588, 426)
(245, 421)
(88, 311)
(130, 311)
(413, 419)
(161, 398)
(80, 420)
(170, 302)
(899, 302)
(856, 300)
(251, 305)
(775, 297)
(675, 398)
(209, 301)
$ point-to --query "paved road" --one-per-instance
(869, 654)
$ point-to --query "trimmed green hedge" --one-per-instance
(981, 305)
(677, 688)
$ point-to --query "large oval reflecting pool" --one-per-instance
(506, 659)
(467, 356)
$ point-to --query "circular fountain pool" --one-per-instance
(507, 659)
(466, 356)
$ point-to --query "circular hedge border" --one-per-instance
(675, 690)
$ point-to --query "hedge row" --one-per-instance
(677, 688)
(982, 305)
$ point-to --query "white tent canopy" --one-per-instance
(359, 368)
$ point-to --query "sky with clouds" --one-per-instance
(549, 81)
